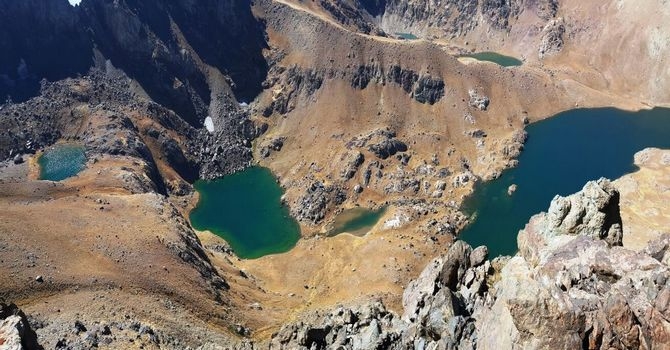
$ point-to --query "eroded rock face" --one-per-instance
(15, 331)
(593, 212)
(423, 88)
(552, 38)
(452, 17)
(577, 289)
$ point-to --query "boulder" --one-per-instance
(479, 255)
(387, 148)
(478, 101)
(15, 331)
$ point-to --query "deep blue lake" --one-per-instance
(561, 155)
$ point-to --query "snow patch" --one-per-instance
(396, 221)
(209, 124)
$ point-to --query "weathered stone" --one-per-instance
(479, 255)
(387, 148)
(478, 101)
(552, 38)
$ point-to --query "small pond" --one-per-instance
(561, 155)
(502, 60)
(407, 36)
(357, 221)
(62, 161)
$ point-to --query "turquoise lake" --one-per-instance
(562, 153)
(407, 36)
(356, 221)
(245, 209)
(502, 60)
(61, 162)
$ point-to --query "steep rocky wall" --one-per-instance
(39, 39)
(435, 18)
(53, 40)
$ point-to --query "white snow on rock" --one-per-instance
(209, 124)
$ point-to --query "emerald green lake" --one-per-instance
(356, 221)
(62, 161)
(561, 155)
(245, 209)
(407, 36)
(502, 60)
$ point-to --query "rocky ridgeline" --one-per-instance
(453, 17)
(289, 83)
(572, 285)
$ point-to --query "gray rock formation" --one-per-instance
(552, 38)
(423, 88)
(387, 148)
(478, 101)
(428, 90)
(421, 17)
(15, 330)
(592, 212)
(317, 201)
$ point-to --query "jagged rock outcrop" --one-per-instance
(578, 289)
(552, 38)
(15, 330)
(572, 285)
(592, 212)
(317, 201)
(387, 148)
(478, 101)
(428, 90)
(437, 313)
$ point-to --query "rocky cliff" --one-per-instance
(570, 286)
(429, 19)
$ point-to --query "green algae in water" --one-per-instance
(356, 221)
(407, 36)
(561, 155)
(502, 60)
(61, 162)
(245, 209)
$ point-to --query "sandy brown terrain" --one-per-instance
(644, 195)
